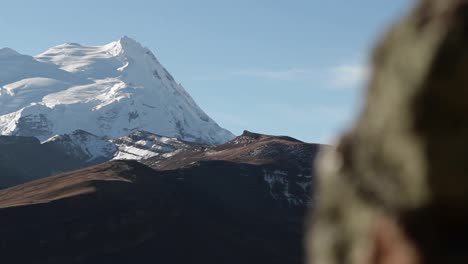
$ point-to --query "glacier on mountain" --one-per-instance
(107, 90)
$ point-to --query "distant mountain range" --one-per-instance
(104, 158)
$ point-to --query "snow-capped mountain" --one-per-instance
(107, 90)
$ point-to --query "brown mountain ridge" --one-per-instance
(240, 202)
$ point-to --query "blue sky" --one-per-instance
(272, 66)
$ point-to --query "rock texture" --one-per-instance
(407, 154)
(141, 145)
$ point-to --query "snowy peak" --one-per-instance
(125, 46)
(121, 58)
(126, 39)
(107, 90)
(130, 45)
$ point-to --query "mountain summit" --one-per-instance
(8, 52)
(107, 90)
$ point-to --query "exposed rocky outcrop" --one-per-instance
(24, 159)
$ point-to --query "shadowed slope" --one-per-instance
(125, 212)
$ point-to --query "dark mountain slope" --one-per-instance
(24, 158)
(125, 212)
(241, 202)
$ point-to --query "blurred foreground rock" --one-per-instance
(407, 154)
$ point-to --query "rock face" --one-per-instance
(140, 145)
(107, 90)
(406, 156)
(241, 202)
(81, 143)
